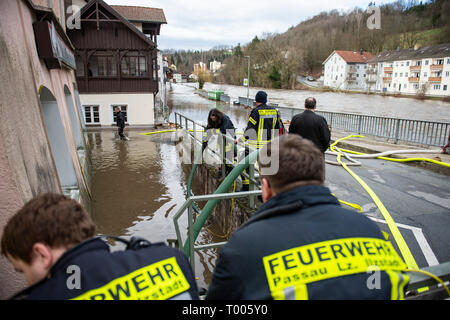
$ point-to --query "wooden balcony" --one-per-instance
(388, 69)
(436, 67)
(387, 79)
(434, 79)
(413, 79)
(415, 68)
(117, 85)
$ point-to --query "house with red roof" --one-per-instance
(346, 70)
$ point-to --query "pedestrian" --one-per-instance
(218, 122)
(311, 126)
(263, 125)
(51, 241)
(282, 128)
(301, 244)
(120, 121)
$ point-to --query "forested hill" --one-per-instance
(277, 59)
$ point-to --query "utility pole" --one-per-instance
(248, 79)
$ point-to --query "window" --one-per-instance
(419, 63)
(447, 73)
(396, 74)
(448, 61)
(406, 74)
(123, 108)
(425, 74)
(405, 86)
(102, 64)
(91, 114)
(407, 63)
(401, 74)
(445, 87)
(134, 64)
(437, 87)
(426, 62)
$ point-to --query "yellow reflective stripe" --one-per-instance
(253, 121)
(398, 283)
(158, 281)
(267, 112)
(274, 123)
(260, 129)
(328, 259)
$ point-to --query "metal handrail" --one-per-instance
(430, 133)
(188, 205)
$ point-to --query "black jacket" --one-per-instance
(313, 127)
(293, 245)
(226, 127)
(155, 272)
(120, 119)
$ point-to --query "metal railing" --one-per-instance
(188, 206)
(192, 128)
(414, 131)
(417, 280)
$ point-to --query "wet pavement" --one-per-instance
(139, 185)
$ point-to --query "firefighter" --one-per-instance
(301, 244)
(51, 241)
(263, 125)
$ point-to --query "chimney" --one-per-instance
(361, 51)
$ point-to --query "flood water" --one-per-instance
(139, 185)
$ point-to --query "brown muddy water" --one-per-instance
(139, 185)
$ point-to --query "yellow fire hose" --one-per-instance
(401, 243)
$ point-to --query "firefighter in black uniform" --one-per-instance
(263, 125)
(51, 241)
(301, 244)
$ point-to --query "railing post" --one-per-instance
(359, 124)
(251, 173)
(191, 238)
(397, 131)
(223, 149)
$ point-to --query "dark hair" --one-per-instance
(300, 162)
(219, 116)
(52, 219)
(310, 103)
(261, 96)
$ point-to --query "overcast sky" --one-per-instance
(202, 24)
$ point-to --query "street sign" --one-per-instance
(245, 82)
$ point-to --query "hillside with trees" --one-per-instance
(276, 59)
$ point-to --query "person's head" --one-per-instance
(215, 117)
(261, 97)
(310, 103)
(41, 231)
(116, 109)
(300, 163)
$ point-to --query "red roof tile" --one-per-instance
(355, 56)
(144, 14)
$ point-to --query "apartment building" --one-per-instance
(346, 70)
(424, 70)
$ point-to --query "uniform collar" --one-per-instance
(294, 200)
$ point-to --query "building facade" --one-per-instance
(346, 70)
(117, 62)
(43, 147)
(418, 71)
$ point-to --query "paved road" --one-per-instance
(417, 199)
